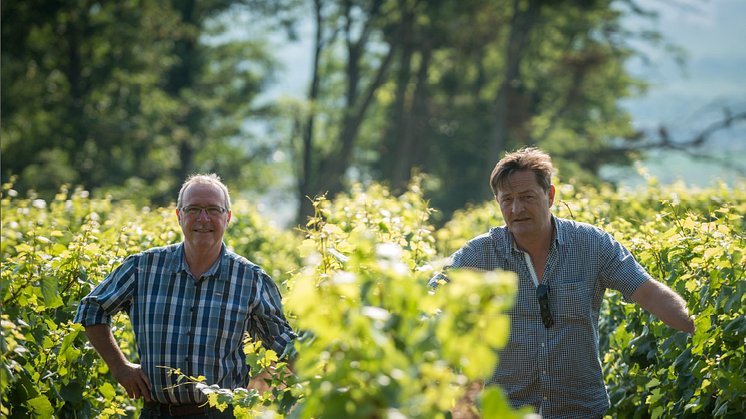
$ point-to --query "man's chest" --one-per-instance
(178, 302)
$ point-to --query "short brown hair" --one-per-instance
(206, 179)
(526, 158)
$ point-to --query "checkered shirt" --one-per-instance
(557, 370)
(196, 325)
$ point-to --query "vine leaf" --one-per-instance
(50, 291)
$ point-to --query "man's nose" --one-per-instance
(517, 206)
(203, 214)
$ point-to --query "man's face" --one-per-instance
(525, 205)
(203, 231)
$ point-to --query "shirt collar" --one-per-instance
(557, 236)
(178, 263)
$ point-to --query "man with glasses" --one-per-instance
(190, 305)
(564, 267)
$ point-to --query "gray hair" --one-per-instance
(205, 179)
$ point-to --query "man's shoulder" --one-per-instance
(497, 236)
(168, 249)
(571, 229)
(154, 257)
(492, 240)
(242, 262)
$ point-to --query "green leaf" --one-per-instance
(495, 405)
(24, 248)
(41, 406)
(287, 401)
(722, 410)
(67, 351)
(734, 302)
(72, 392)
(107, 390)
(703, 324)
(50, 291)
(725, 293)
(735, 329)
(685, 380)
(654, 396)
(683, 360)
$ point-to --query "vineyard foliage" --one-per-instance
(375, 342)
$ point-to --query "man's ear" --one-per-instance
(178, 216)
(551, 192)
(228, 220)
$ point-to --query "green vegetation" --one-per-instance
(127, 98)
(354, 280)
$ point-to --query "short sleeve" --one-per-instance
(619, 269)
(269, 324)
(466, 257)
(114, 294)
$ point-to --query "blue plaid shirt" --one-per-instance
(557, 370)
(196, 325)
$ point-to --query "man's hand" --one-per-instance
(129, 375)
(133, 379)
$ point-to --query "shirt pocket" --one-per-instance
(230, 321)
(571, 301)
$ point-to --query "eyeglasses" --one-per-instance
(195, 210)
(542, 294)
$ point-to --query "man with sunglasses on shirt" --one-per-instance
(190, 305)
(564, 267)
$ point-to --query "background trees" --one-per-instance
(127, 98)
(449, 86)
(127, 95)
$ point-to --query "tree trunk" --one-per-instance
(306, 189)
(335, 169)
(75, 114)
(411, 148)
(182, 76)
(520, 29)
(332, 169)
(401, 107)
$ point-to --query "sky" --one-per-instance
(715, 70)
(688, 99)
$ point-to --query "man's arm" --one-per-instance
(129, 375)
(665, 304)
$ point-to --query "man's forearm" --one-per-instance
(130, 376)
(664, 303)
(102, 339)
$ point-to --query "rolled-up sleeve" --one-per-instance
(114, 294)
(269, 324)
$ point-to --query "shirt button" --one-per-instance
(544, 372)
(186, 359)
(191, 308)
(545, 397)
(542, 345)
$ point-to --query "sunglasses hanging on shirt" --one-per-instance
(542, 294)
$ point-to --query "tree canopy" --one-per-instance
(449, 86)
(128, 98)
